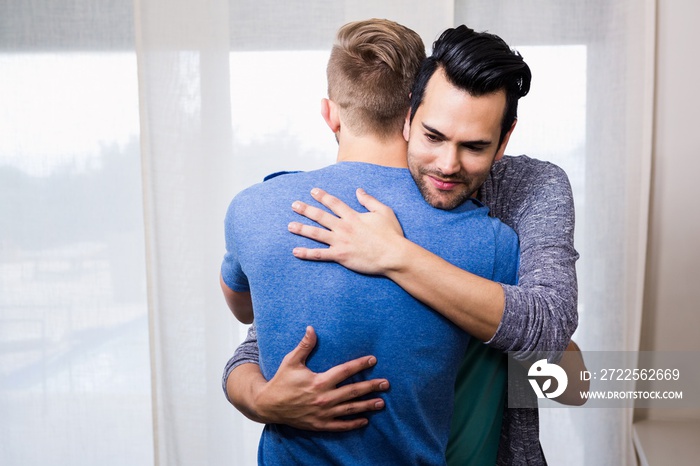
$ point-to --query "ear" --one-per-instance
(329, 111)
(504, 143)
(407, 125)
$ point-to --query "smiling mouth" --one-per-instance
(443, 185)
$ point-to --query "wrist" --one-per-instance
(397, 257)
(245, 388)
(262, 405)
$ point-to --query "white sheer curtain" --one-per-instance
(74, 358)
(127, 127)
(182, 49)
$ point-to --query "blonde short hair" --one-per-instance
(370, 73)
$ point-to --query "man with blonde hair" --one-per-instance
(370, 80)
(371, 69)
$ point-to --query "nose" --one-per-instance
(448, 160)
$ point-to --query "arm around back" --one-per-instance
(297, 396)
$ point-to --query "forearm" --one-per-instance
(297, 396)
(540, 314)
(246, 352)
(243, 386)
(573, 364)
(473, 303)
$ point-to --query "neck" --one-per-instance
(390, 152)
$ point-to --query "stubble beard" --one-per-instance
(444, 200)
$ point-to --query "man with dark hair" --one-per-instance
(356, 314)
(479, 63)
(533, 197)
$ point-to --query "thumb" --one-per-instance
(367, 201)
(304, 348)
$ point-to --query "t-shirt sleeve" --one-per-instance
(247, 352)
(540, 314)
(231, 270)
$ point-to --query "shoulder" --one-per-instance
(519, 186)
(500, 233)
(526, 170)
(503, 234)
(532, 183)
(276, 174)
(254, 197)
(276, 189)
(272, 183)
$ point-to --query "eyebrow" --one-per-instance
(479, 142)
(433, 130)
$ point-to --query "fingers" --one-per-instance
(342, 372)
(299, 354)
(347, 409)
(352, 391)
(331, 422)
(342, 426)
(369, 202)
(357, 407)
(319, 216)
(336, 206)
(315, 233)
(321, 255)
(353, 406)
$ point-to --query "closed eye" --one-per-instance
(476, 147)
(432, 134)
(432, 137)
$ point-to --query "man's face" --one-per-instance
(453, 141)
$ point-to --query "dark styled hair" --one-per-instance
(372, 67)
(478, 63)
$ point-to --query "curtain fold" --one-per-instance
(182, 51)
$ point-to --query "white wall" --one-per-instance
(671, 313)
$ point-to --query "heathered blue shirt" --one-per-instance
(354, 315)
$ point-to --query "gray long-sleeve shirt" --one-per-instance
(535, 199)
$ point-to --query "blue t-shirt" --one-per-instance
(354, 315)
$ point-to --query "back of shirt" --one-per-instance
(417, 350)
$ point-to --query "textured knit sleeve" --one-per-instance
(540, 313)
(247, 352)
